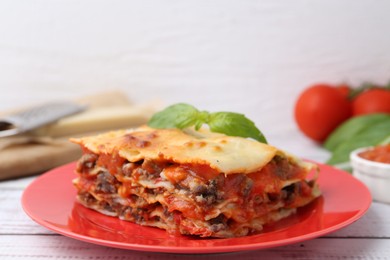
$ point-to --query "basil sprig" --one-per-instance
(183, 116)
(361, 131)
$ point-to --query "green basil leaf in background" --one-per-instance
(176, 116)
(374, 134)
(351, 128)
(386, 141)
(234, 124)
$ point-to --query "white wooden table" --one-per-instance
(22, 238)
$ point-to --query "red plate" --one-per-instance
(50, 201)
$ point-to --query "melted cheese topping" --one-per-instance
(226, 154)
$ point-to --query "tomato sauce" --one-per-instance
(112, 162)
(379, 153)
(203, 171)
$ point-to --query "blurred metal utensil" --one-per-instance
(34, 117)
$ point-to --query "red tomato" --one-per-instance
(374, 100)
(320, 109)
(344, 89)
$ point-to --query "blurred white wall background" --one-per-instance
(246, 56)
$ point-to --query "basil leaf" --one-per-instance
(176, 116)
(373, 134)
(183, 116)
(351, 128)
(203, 118)
(234, 124)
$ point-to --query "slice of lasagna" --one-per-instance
(191, 182)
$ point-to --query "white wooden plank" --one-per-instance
(20, 183)
(12, 217)
(59, 247)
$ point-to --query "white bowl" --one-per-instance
(375, 175)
